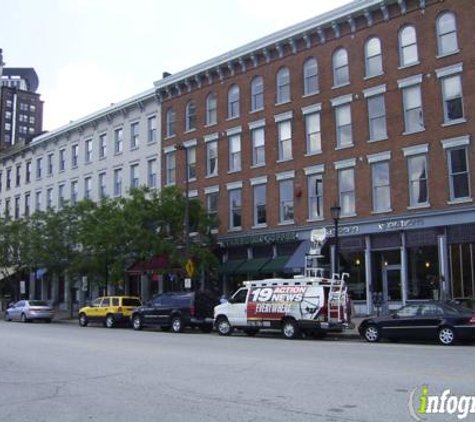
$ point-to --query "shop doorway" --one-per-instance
(392, 286)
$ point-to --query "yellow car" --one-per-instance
(110, 310)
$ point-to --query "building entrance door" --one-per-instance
(392, 286)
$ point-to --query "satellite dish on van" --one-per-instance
(317, 237)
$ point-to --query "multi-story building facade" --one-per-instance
(21, 109)
(368, 107)
(103, 154)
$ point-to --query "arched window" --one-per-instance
(373, 57)
(257, 93)
(447, 34)
(190, 115)
(171, 118)
(408, 54)
(233, 102)
(211, 109)
(310, 76)
(341, 69)
(283, 85)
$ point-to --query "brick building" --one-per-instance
(368, 107)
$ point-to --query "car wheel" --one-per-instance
(6, 317)
(177, 324)
(137, 322)
(83, 320)
(446, 336)
(290, 329)
(372, 333)
(224, 327)
(207, 328)
(110, 321)
(24, 318)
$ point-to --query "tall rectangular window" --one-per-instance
(50, 164)
(381, 186)
(235, 208)
(413, 118)
(258, 146)
(284, 130)
(152, 129)
(453, 98)
(459, 175)
(134, 135)
(134, 176)
(313, 133)
(377, 117)
(18, 175)
(74, 192)
(212, 158)
(191, 170)
(27, 204)
(88, 151)
(9, 178)
(170, 168)
(286, 199)
(74, 155)
(87, 188)
(118, 141)
(102, 185)
(315, 196)
(260, 204)
(117, 182)
(418, 188)
(61, 197)
(234, 152)
(344, 128)
(17, 208)
(346, 188)
(103, 145)
(212, 204)
(152, 173)
(38, 201)
(39, 168)
(49, 198)
(62, 160)
(27, 172)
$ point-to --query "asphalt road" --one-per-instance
(61, 372)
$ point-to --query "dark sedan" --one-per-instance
(446, 322)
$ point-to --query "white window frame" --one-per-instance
(234, 102)
(235, 152)
(284, 142)
(373, 59)
(445, 33)
(118, 140)
(407, 46)
(412, 87)
(341, 67)
(283, 85)
(170, 120)
(381, 188)
(134, 176)
(257, 93)
(286, 200)
(151, 129)
(258, 201)
(212, 158)
(343, 121)
(170, 168)
(211, 109)
(190, 116)
(118, 182)
(152, 172)
(258, 139)
(134, 135)
(235, 209)
(346, 196)
(310, 77)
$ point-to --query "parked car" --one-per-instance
(177, 310)
(109, 310)
(29, 310)
(446, 322)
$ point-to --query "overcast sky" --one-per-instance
(90, 53)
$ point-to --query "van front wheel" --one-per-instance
(223, 326)
(290, 329)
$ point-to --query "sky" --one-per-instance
(91, 53)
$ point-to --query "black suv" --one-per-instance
(176, 311)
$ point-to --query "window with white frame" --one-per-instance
(170, 122)
(315, 196)
(88, 150)
(117, 182)
(118, 140)
(377, 117)
(381, 186)
(212, 199)
(152, 173)
(88, 187)
(341, 68)
(27, 204)
(191, 170)
(38, 201)
(413, 116)
(260, 204)
(447, 34)
(373, 58)
(257, 93)
(74, 192)
(7, 208)
(18, 175)
(310, 76)
(211, 109)
(344, 126)
(9, 179)
(39, 167)
(134, 135)
(62, 159)
(49, 198)
(152, 129)
(418, 180)
(74, 155)
(235, 208)
(50, 164)
(283, 85)
(408, 53)
(453, 98)
(170, 168)
(61, 198)
(286, 200)
(212, 158)
(17, 207)
(190, 114)
(459, 175)
(134, 176)
(103, 145)
(346, 191)
(234, 152)
(284, 133)
(313, 133)
(102, 185)
(27, 172)
(258, 146)
(233, 102)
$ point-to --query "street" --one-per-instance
(61, 372)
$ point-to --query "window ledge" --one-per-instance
(210, 176)
(313, 220)
(381, 212)
(378, 139)
(311, 94)
(170, 184)
(282, 103)
(151, 142)
(117, 153)
(454, 122)
(232, 118)
(259, 226)
(401, 67)
(460, 201)
(257, 110)
(344, 147)
(451, 53)
(102, 158)
(349, 215)
(286, 223)
(367, 78)
(189, 131)
(312, 154)
(256, 166)
(235, 229)
(285, 160)
(418, 207)
(414, 132)
(234, 171)
(210, 124)
(169, 137)
(133, 148)
(341, 85)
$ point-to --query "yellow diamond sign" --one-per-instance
(190, 268)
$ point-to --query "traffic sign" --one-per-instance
(190, 268)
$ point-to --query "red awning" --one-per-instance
(154, 264)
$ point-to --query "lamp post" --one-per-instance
(181, 147)
(336, 212)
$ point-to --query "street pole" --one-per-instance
(336, 212)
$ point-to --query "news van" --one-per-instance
(308, 303)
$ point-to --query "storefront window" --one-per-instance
(353, 263)
(462, 258)
(423, 273)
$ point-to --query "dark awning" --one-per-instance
(276, 265)
(230, 266)
(252, 266)
(296, 263)
(156, 263)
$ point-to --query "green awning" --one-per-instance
(252, 266)
(230, 266)
(276, 265)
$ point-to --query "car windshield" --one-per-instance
(38, 303)
(131, 302)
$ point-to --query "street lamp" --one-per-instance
(336, 212)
